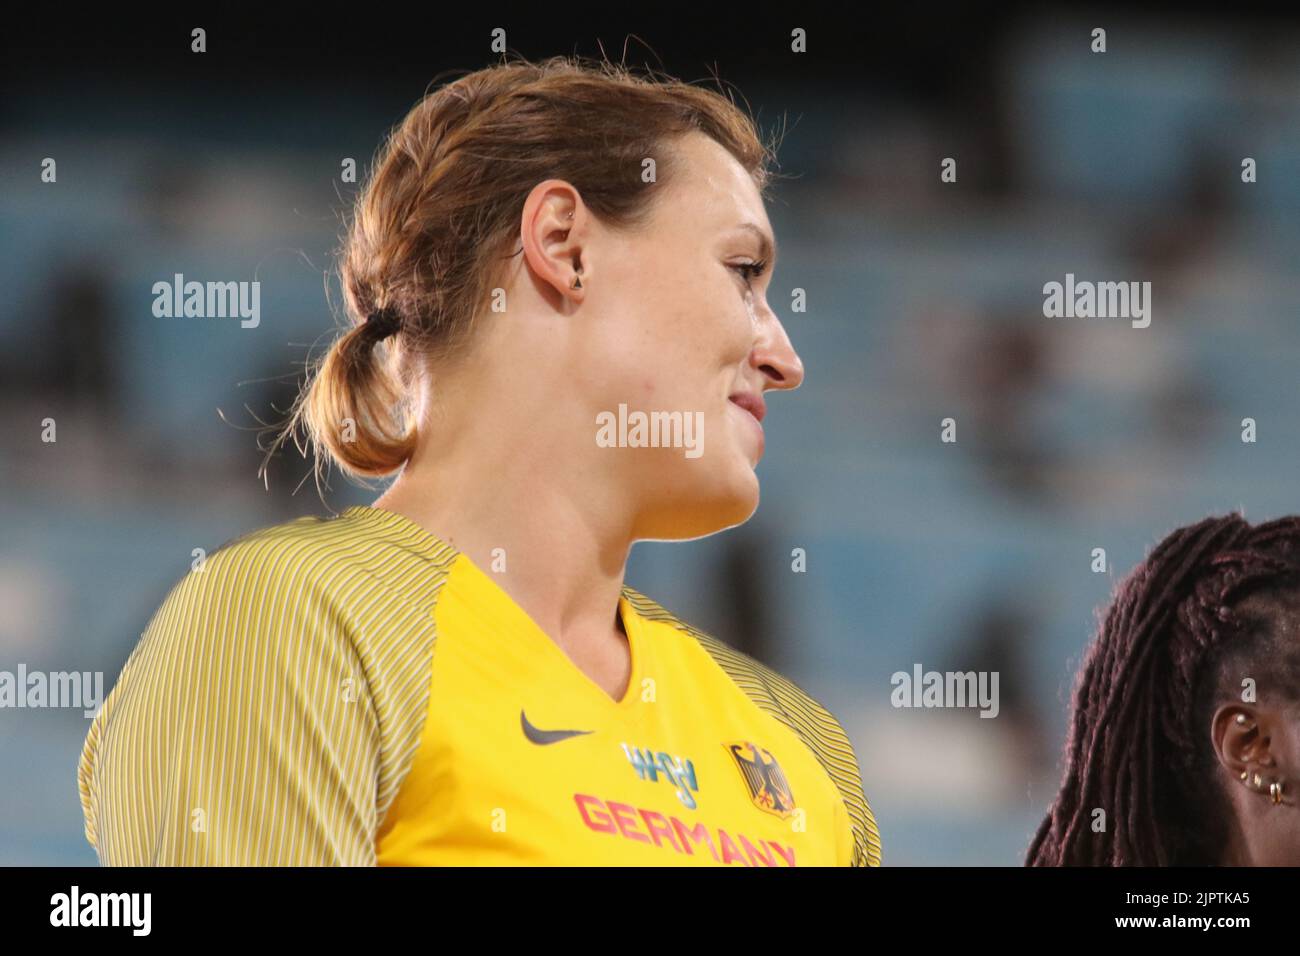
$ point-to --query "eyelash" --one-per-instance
(749, 271)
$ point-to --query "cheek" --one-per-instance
(673, 356)
(722, 332)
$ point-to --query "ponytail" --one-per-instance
(354, 408)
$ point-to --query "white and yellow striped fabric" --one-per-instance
(353, 691)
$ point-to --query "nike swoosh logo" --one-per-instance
(547, 736)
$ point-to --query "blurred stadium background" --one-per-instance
(925, 301)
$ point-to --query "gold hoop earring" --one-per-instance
(1275, 791)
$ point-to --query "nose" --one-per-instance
(775, 357)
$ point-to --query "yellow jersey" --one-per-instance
(354, 691)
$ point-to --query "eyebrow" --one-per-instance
(767, 245)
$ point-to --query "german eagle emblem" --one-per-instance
(767, 785)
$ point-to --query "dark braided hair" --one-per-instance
(1209, 606)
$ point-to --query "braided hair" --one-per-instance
(1208, 607)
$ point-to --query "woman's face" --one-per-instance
(681, 327)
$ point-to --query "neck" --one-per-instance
(1237, 848)
(530, 494)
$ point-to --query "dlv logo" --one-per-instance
(680, 773)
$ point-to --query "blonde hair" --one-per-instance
(440, 212)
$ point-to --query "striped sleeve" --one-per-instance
(241, 730)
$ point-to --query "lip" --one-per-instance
(751, 403)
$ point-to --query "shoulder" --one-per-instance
(346, 561)
(789, 703)
(300, 631)
(322, 610)
(267, 609)
(307, 544)
(343, 601)
(307, 616)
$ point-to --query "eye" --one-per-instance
(749, 271)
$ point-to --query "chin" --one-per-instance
(690, 516)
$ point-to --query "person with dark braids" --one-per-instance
(1185, 732)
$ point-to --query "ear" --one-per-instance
(1241, 740)
(554, 230)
